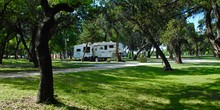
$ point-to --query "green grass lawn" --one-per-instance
(23, 65)
(191, 86)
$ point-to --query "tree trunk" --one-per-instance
(157, 55)
(61, 56)
(16, 49)
(197, 49)
(117, 45)
(71, 53)
(215, 8)
(149, 51)
(84, 52)
(132, 53)
(217, 17)
(209, 32)
(3, 47)
(177, 51)
(170, 52)
(46, 91)
(2, 50)
(139, 51)
(1, 56)
(33, 58)
(165, 61)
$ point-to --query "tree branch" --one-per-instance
(46, 7)
(64, 7)
(63, 26)
(4, 8)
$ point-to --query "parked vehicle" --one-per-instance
(83, 49)
(100, 50)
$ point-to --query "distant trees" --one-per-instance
(150, 17)
(112, 14)
(174, 35)
(46, 25)
(210, 7)
(194, 40)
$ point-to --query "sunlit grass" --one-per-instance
(23, 65)
(189, 86)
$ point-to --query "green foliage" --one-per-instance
(71, 2)
(68, 36)
(174, 30)
(92, 31)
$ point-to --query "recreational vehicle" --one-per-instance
(82, 50)
(101, 50)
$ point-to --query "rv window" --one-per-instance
(101, 48)
(111, 46)
(78, 50)
(106, 47)
(87, 50)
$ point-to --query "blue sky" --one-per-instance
(195, 18)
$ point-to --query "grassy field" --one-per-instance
(21, 65)
(190, 86)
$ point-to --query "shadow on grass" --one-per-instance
(133, 88)
(67, 107)
(195, 97)
(26, 83)
(180, 96)
(206, 64)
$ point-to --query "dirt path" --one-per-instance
(56, 71)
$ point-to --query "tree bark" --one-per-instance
(2, 50)
(197, 49)
(71, 53)
(46, 91)
(149, 53)
(84, 52)
(165, 61)
(215, 8)
(4, 10)
(170, 52)
(16, 49)
(3, 47)
(33, 58)
(117, 44)
(177, 51)
(209, 33)
(157, 55)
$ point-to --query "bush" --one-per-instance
(143, 59)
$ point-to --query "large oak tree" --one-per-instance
(43, 35)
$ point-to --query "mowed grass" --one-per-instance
(23, 65)
(193, 86)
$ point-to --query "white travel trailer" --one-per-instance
(106, 49)
(79, 51)
(102, 50)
